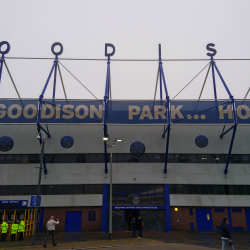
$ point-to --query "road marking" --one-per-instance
(105, 242)
(131, 241)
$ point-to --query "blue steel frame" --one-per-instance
(106, 98)
(168, 128)
(40, 101)
(105, 101)
(2, 57)
(234, 127)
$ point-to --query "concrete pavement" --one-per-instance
(99, 240)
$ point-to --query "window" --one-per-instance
(242, 189)
(236, 210)
(219, 210)
(233, 189)
(183, 158)
(92, 215)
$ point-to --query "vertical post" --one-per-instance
(38, 190)
(1, 66)
(25, 223)
(110, 196)
(167, 207)
(41, 220)
(104, 207)
(215, 93)
(160, 71)
(167, 146)
(54, 87)
(3, 216)
(229, 219)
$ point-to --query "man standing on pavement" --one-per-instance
(225, 234)
(4, 228)
(133, 227)
(50, 230)
(139, 227)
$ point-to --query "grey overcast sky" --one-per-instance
(135, 27)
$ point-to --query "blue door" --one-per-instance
(73, 222)
(247, 212)
(204, 220)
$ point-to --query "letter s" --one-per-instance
(211, 49)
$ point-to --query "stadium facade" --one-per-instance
(194, 194)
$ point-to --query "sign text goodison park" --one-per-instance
(123, 112)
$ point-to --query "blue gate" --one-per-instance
(247, 212)
(204, 220)
(73, 221)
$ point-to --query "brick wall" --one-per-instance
(60, 213)
(184, 217)
(217, 217)
(239, 219)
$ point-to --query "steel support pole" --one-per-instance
(55, 73)
(1, 67)
(38, 190)
(215, 93)
(110, 196)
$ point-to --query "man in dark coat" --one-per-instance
(133, 227)
(139, 227)
(225, 234)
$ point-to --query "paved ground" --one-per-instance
(159, 241)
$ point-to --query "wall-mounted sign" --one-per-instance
(124, 112)
(13, 203)
(33, 201)
(138, 207)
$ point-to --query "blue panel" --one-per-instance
(219, 210)
(247, 212)
(191, 211)
(104, 207)
(41, 220)
(167, 207)
(238, 228)
(218, 228)
(73, 222)
(192, 226)
(236, 210)
(203, 224)
(229, 219)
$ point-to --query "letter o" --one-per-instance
(10, 109)
(244, 117)
(77, 111)
(34, 111)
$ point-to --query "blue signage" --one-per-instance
(13, 203)
(137, 207)
(33, 201)
(124, 112)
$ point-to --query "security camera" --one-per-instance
(38, 137)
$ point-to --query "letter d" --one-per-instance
(106, 49)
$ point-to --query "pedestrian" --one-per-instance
(21, 229)
(50, 230)
(133, 227)
(14, 228)
(225, 234)
(4, 228)
(139, 227)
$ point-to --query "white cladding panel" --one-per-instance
(210, 200)
(88, 138)
(124, 173)
(79, 200)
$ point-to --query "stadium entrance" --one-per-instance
(129, 215)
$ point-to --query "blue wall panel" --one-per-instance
(73, 221)
(104, 207)
(167, 207)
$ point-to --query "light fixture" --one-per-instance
(176, 209)
(117, 139)
(105, 138)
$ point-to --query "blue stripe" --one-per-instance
(230, 219)
(167, 207)
(41, 220)
(104, 207)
